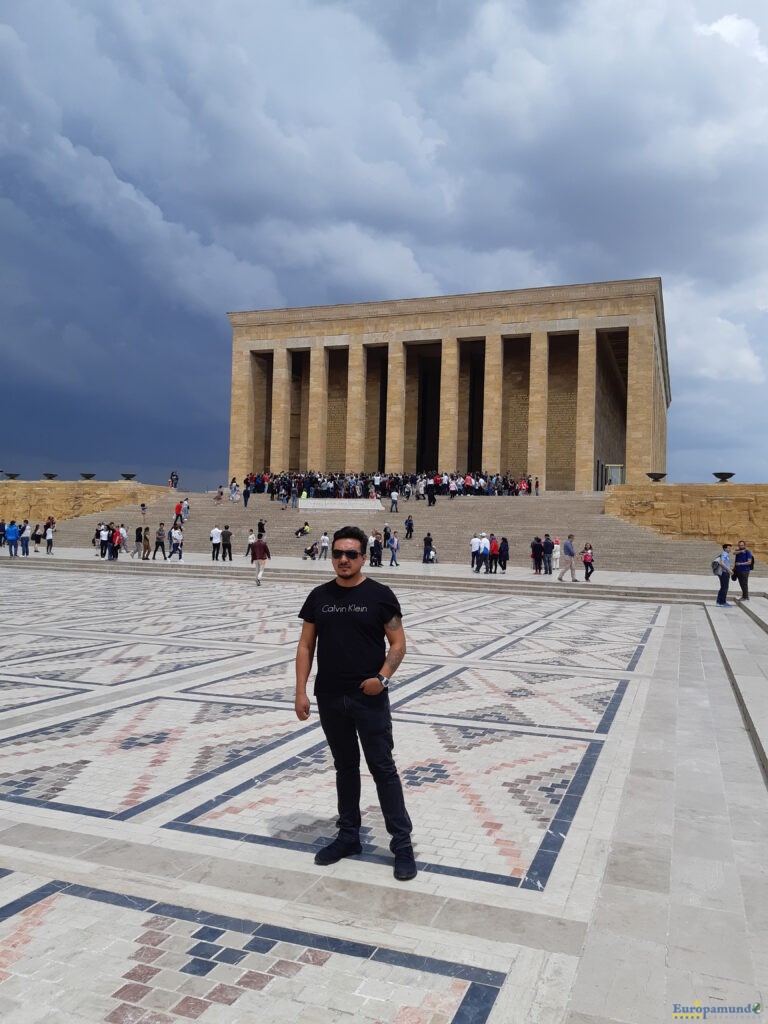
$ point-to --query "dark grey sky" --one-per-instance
(161, 164)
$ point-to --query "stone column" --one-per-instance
(640, 408)
(586, 394)
(448, 441)
(279, 449)
(241, 416)
(317, 418)
(354, 456)
(493, 388)
(395, 449)
(538, 396)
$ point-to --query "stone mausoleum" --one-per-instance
(568, 383)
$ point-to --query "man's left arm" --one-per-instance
(395, 634)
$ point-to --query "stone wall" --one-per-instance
(517, 372)
(337, 410)
(722, 513)
(561, 412)
(67, 499)
(610, 409)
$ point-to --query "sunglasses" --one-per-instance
(344, 553)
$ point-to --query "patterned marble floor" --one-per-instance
(153, 715)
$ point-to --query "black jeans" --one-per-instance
(725, 579)
(743, 581)
(226, 552)
(215, 548)
(159, 546)
(345, 718)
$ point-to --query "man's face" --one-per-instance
(742, 545)
(347, 558)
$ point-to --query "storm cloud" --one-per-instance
(162, 164)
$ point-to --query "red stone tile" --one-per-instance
(125, 1014)
(160, 923)
(190, 1007)
(285, 968)
(313, 956)
(141, 972)
(226, 994)
(146, 954)
(254, 979)
(132, 993)
(152, 938)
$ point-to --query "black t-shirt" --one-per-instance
(350, 632)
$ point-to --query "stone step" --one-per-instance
(618, 544)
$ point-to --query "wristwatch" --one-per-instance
(383, 680)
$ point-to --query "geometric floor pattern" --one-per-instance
(170, 963)
(176, 717)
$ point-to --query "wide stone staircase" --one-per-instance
(618, 545)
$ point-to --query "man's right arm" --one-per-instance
(305, 653)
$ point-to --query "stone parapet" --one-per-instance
(67, 499)
(721, 513)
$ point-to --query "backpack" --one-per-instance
(716, 566)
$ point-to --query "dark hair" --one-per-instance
(352, 533)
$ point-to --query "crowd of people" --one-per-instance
(290, 487)
(19, 533)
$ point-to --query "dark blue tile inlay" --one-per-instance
(476, 1005)
(259, 944)
(230, 956)
(207, 934)
(198, 967)
(207, 950)
(29, 899)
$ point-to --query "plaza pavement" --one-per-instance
(584, 777)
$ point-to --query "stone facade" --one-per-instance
(67, 499)
(722, 513)
(555, 382)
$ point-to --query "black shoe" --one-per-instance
(337, 850)
(405, 865)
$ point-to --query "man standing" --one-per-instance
(474, 550)
(394, 546)
(408, 526)
(12, 538)
(569, 553)
(745, 563)
(260, 553)
(725, 577)
(26, 533)
(215, 542)
(394, 497)
(427, 542)
(226, 543)
(325, 543)
(159, 542)
(348, 619)
(549, 547)
(481, 562)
